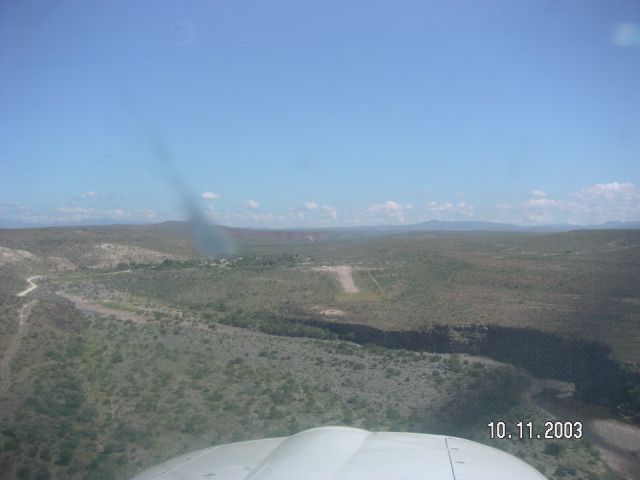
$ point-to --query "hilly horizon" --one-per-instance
(428, 225)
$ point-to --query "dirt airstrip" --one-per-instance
(344, 274)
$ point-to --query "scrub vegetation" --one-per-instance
(165, 353)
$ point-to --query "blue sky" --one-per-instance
(289, 113)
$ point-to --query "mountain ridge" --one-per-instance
(426, 226)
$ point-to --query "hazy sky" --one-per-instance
(313, 113)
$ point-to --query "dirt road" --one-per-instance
(7, 359)
(23, 316)
(32, 286)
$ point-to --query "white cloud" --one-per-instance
(610, 201)
(330, 212)
(75, 210)
(626, 35)
(314, 212)
(387, 211)
(544, 210)
(595, 204)
(388, 206)
(211, 196)
(449, 210)
(543, 202)
(245, 218)
(613, 191)
(89, 194)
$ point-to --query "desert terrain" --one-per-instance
(122, 346)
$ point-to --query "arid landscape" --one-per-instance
(237, 221)
(122, 347)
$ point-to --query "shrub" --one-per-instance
(553, 448)
(10, 445)
(24, 473)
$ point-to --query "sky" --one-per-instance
(309, 114)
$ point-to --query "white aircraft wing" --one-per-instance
(342, 453)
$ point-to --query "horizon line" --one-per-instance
(21, 225)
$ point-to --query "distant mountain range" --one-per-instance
(10, 223)
(428, 226)
(479, 226)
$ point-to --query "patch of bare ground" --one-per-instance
(329, 311)
(11, 255)
(61, 264)
(124, 307)
(86, 305)
(108, 255)
(620, 445)
(561, 389)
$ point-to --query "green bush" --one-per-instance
(24, 473)
(10, 445)
(553, 448)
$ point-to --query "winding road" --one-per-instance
(14, 345)
(32, 286)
